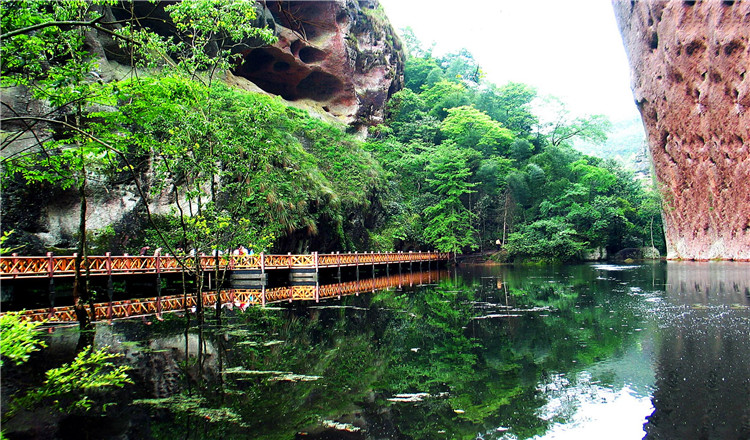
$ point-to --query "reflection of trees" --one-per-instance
(351, 356)
(481, 374)
(498, 363)
(703, 366)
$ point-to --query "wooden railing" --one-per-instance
(15, 267)
(234, 298)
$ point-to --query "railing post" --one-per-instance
(15, 264)
(50, 265)
(289, 257)
(263, 295)
(108, 263)
(262, 263)
(110, 285)
(158, 285)
(315, 259)
(51, 274)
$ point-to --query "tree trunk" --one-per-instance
(218, 286)
(505, 218)
(80, 283)
(652, 231)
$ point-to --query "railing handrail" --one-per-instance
(16, 266)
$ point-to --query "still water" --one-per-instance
(597, 351)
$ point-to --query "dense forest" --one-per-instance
(474, 164)
(458, 165)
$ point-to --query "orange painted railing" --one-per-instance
(15, 267)
(234, 298)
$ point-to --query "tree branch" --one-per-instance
(48, 24)
(91, 23)
(124, 159)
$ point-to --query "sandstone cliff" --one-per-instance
(340, 56)
(690, 62)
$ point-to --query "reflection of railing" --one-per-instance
(50, 266)
(237, 297)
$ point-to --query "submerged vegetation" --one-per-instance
(459, 163)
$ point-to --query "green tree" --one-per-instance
(472, 128)
(443, 95)
(461, 66)
(551, 239)
(18, 338)
(449, 224)
(43, 51)
(560, 126)
(510, 105)
(520, 150)
(68, 387)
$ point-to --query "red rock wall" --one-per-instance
(341, 56)
(690, 79)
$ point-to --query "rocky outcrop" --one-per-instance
(690, 62)
(340, 56)
(642, 253)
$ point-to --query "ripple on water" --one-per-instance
(614, 267)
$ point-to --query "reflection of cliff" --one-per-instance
(717, 283)
(703, 363)
(157, 361)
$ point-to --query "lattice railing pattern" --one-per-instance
(64, 266)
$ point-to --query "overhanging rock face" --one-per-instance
(690, 62)
(341, 56)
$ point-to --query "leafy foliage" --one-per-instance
(522, 182)
(459, 164)
(70, 387)
(18, 338)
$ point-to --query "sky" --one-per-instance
(568, 49)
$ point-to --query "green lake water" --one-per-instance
(596, 351)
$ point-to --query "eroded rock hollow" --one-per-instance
(341, 56)
(690, 62)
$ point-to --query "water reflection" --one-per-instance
(703, 356)
(584, 352)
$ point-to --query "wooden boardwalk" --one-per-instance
(51, 266)
(231, 298)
